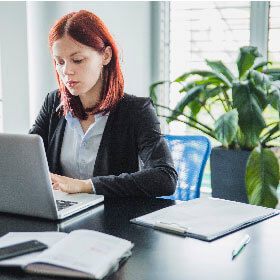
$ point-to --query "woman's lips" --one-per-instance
(72, 84)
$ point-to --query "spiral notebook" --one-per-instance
(205, 218)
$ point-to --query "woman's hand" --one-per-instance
(70, 185)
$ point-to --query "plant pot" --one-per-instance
(228, 168)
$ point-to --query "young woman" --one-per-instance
(97, 138)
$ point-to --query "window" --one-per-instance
(204, 30)
(215, 30)
(1, 108)
(274, 33)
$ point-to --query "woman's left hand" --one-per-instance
(70, 185)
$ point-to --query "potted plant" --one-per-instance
(244, 167)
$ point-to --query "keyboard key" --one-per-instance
(62, 204)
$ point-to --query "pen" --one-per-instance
(171, 227)
(242, 244)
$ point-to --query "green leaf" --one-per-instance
(188, 87)
(272, 71)
(225, 127)
(219, 77)
(274, 99)
(153, 93)
(260, 80)
(270, 133)
(183, 77)
(274, 77)
(260, 96)
(219, 67)
(211, 80)
(205, 94)
(222, 79)
(209, 93)
(259, 66)
(260, 86)
(195, 107)
(188, 97)
(246, 59)
(262, 177)
(251, 121)
(274, 74)
(208, 81)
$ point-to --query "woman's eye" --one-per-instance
(77, 61)
(59, 63)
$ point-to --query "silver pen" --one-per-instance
(171, 227)
(240, 246)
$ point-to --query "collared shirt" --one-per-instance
(79, 149)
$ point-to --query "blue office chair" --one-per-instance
(190, 154)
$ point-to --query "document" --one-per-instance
(205, 218)
(81, 253)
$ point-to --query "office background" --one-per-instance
(27, 73)
(157, 40)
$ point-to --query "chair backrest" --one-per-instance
(190, 154)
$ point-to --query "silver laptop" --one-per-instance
(25, 183)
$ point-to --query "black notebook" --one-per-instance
(205, 218)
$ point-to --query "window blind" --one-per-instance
(213, 30)
(274, 33)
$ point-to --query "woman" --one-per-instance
(96, 136)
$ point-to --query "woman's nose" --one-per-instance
(67, 69)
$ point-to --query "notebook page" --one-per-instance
(87, 251)
(49, 238)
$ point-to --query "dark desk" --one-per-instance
(159, 255)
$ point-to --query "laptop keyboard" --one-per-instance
(62, 204)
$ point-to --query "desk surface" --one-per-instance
(160, 255)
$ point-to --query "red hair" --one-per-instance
(88, 29)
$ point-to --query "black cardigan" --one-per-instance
(132, 129)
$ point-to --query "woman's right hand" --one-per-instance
(70, 185)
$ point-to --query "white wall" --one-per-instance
(14, 70)
(128, 22)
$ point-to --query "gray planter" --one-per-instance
(228, 169)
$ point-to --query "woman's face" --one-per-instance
(79, 66)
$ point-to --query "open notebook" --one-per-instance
(205, 218)
(81, 253)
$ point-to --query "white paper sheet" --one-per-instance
(49, 238)
(88, 251)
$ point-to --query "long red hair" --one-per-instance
(88, 29)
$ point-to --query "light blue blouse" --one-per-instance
(79, 149)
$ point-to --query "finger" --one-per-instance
(64, 188)
(60, 187)
(56, 186)
(58, 179)
(53, 178)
